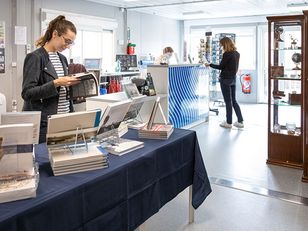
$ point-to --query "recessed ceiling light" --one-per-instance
(193, 12)
(298, 6)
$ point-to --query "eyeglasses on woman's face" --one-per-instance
(68, 41)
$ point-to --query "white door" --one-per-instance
(262, 63)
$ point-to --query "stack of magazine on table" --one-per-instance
(69, 143)
(156, 130)
(18, 171)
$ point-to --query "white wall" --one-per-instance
(251, 21)
(152, 33)
(6, 82)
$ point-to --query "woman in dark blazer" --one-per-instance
(229, 67)
(45, 73)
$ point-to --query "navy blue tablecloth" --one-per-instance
(121, 197)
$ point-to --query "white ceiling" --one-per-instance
(198, 9)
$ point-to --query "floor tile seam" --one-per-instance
(245, 187)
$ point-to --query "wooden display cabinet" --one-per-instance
(305, 104)
(285, 90)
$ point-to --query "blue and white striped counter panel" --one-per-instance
(188, 95)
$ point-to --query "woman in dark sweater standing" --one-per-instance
(229, 66)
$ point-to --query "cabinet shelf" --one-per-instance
(284, 132)
(283, 104)
(286, 49)
(285, 78)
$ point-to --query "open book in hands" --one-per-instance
(87, 87)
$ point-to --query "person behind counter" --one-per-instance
(229, 67)
(168, 57)
(45, 73)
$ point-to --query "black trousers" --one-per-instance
(228, 91)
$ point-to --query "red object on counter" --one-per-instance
(112, 86)
(118, 86)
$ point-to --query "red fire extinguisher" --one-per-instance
(131, 48)
(246, 83)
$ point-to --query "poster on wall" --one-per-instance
(2, 47)
(20, 35)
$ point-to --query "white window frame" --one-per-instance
(82, 23)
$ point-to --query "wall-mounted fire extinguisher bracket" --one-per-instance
(246, 83)
(128, 35)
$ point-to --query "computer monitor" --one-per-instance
(127, 61)
(93, 64)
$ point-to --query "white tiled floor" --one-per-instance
(231, 210)
(240, 156)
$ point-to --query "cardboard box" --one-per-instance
(277, 71)
(294, 99)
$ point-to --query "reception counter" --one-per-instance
(187, 87)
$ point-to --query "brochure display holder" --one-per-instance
(138, 100)
(153, 114)
(79, 132)
(153, 130)
(133, 117)
(108, 133)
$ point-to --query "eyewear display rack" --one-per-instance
(216, 56)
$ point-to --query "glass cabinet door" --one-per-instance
(285, 77)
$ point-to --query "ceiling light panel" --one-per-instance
(177, 9)
(148, 3)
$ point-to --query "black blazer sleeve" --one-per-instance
(36, 85)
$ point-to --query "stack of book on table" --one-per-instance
(157, 131)
(69, 143)
(90, 156)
